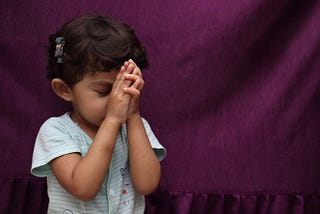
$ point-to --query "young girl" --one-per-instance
(101, 157)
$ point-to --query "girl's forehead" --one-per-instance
(101, 76)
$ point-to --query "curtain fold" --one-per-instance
(260, 203)
(27, 195)
(23, 195)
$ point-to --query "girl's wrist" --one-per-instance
(113, 121)
(134, 117)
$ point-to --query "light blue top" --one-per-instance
(60, 136)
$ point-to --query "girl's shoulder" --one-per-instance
(61, 123)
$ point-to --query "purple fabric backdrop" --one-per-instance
(232, 92)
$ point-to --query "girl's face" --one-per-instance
(90, 98)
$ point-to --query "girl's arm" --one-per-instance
(144, 165)
(83, 177)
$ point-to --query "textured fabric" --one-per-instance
(251, 203)
(232, 92)
(60, 136)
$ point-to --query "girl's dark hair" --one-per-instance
(93, 43)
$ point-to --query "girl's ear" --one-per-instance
(61, 89)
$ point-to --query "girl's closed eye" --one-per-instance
(101, 88)
(103, 92)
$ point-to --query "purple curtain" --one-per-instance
(232, 92)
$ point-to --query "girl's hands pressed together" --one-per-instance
(123, 102)
(134, 90)
(118, 101)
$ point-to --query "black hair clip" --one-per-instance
(59, 49)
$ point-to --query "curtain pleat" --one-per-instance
(23, 195)
(185, 203)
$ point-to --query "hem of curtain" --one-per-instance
(23, 195)
(29, 195)
(217, 203)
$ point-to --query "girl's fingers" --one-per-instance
(132, 91)
(130, 68)
(137, 71)
(122, 69)
(121, 80)
(132, 62)
(127, 68)
(138, 82)
(128, 74)
(132, 77)
(136, 68)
